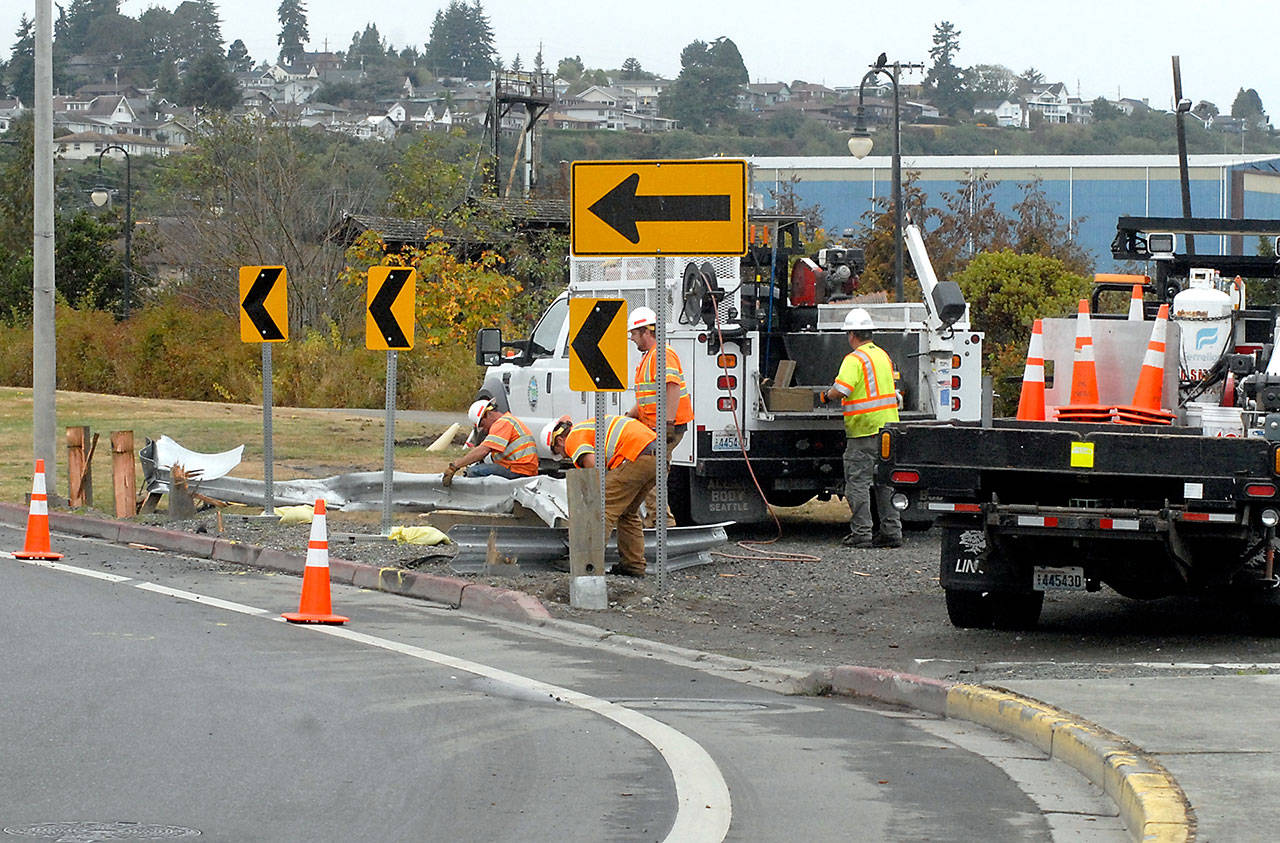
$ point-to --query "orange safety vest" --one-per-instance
(513, 445)
(624, 440)
(647, 390)
(870, 399)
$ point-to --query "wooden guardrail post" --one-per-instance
(124, 479)
(80, 466)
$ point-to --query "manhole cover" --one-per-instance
(699, 705)
(92, 832)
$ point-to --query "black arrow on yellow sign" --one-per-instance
(587, 345)
(380, 308)
(255, 308)
(621, 208)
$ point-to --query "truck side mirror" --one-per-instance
(488, 347)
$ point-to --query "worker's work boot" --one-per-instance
(628, 569)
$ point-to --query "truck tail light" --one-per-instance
(1260, 490)
(905, 477)
(1275, 460)
(727, 361)
(955, 361)
(726, 405)
(886, 445)
(955, 381)
(955, 405)
(727, 382)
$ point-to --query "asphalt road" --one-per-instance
(165, 692)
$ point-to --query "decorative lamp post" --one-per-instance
(860, 146)
(100, 196)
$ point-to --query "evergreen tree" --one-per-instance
(196, 30)
(74, 22)
(20, 72)
(208, 84)
(944, 79)
(461, 42)
(293, 30)
(238, 58)
(1247, 106)
(368, 49)
(168, 83)
(705, 94)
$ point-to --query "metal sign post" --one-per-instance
(268, 455)
(597, 355)
(660, 374)
(264, 318)
(389, 443)
(388, 324)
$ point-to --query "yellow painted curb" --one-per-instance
(1151, 803)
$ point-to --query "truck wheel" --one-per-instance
(970, 609)
(1017, 610)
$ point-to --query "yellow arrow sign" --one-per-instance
(389, 317)
(659, 207)
(264, 304)
(598, 345)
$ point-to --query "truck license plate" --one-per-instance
(727, 440)
(1057, 579)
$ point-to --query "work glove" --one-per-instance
(447, 479)
(823, 400)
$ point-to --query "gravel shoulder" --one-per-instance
(802, 599)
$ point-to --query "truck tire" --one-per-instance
(1017, 610)
(970, 609)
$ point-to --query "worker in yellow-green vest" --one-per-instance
(869, 400)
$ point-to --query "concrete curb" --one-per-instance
(453, 592)
(1152, 805)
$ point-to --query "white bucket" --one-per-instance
(1222, 421)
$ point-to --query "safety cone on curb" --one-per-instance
(1083, 405)
(1031, 401)
(1147, 399)
(36, 544)
(315, 606)
(1135, 304)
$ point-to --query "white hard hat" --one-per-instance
(553, 428)
(642, 317)
(858, 320)
(478, 409)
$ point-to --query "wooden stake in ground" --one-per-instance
(124, 479)
(80, 467)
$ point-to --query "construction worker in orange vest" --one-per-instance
(630, 471)
(869, 399)
(506, 440)
(641, 330)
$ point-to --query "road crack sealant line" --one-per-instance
(1152, 805)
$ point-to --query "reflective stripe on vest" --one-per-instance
(520, 447)
(880, 396)
(647, 390)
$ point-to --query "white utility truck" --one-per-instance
(758, 336)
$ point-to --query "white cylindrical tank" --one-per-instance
(1203, 314)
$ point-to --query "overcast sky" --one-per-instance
(1096, 48)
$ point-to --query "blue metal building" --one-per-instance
(1092, 189)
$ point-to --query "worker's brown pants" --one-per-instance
(651, 500)
(625, 488)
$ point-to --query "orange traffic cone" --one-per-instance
(1135, 304)
(1146, 408)
(1083, 405)
(315, 606)
(1031, 402)
(36, 545)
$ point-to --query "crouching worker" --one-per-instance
(630, 472)
(506, 441)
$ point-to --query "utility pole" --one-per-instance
(44, 422)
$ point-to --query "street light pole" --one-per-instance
(860, 145)
(101, 195)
